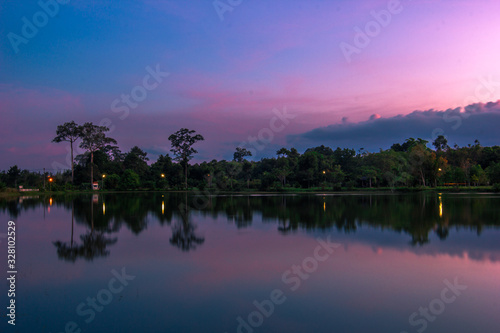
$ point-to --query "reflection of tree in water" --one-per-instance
(418, 216)
(183, 231)
(442, 232)
(284, 226)
(238, 211)
(13, 206)
(184, 237)
(93, 245)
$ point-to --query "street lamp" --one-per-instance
(50, 183)
(162, 175)
(103, 176)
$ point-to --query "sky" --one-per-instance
(256, 74)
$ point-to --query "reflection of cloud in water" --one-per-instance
(459, 244)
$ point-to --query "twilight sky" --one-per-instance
(282, 73)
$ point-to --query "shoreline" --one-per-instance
(399, 190)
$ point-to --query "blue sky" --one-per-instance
(227, 76)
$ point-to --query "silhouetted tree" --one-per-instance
(440, 143)
(182, 142)
(93, 139)
(69, 132)
(13, 175)
(240, 154)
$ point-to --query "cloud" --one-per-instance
(460, 125)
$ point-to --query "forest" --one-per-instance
(410, 164)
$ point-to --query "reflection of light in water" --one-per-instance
(163, 207)
(324, 206)
(50, 201)
(440, 207)
(103, 208)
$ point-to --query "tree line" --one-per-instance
(408, 164)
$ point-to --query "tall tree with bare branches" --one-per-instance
(69, 132)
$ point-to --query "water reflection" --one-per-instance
(94, 243)
(416, 215)
(183, 230)
(210, 257)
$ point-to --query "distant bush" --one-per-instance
(496, 187)
(129, 180)
(149, 184)
(2, 186)
(337, 187)
(55, 187)
(351, 184)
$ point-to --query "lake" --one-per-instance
(173, 262)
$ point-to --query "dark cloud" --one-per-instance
(461, 126)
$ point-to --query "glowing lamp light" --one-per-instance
(440, 207)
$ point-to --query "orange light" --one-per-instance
(103, 176)
(324, 172)
(440, 207)
(50, 180)
(162, 175)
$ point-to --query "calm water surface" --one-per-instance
(154, 262)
